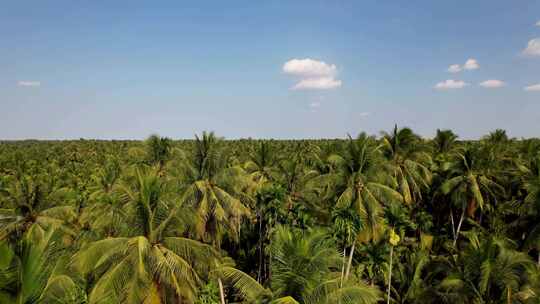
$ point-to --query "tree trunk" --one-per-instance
(350, 261)
(221, 292)
(343, 266)
(459, 225)
(453, 224)
(259, 275)
(390, 275)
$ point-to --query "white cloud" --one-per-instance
(533, 47)
(492, 83)
(309, 68)
(535, 87)
(312, 74)
(451, 84)
(320, 83)
(454, 68)
(538, 23)
(29, 83)
(364, 114)
(471, 64)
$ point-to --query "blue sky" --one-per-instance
(126, 69)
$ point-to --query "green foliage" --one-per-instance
(271, 221)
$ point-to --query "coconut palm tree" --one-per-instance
(31, 272)
(154, 263)
(158, 150)
(488, 270)
(217, 193)
(408, 161)
(302, 191)
(358, 183)
(262, 163)
(468, 187)
(105, 213)
(33, 200)
(444, 141)
(529, 210)
(305, 269)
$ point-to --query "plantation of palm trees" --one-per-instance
(392, 218)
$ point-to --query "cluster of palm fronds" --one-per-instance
(390, 219)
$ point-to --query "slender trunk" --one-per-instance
(459, 226)
(350, 261)
(343, 266)
(390, 275)
(481, 217)
(221, 292)
(259, 275)
(453, 224)
(538, 258)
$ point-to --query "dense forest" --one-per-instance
(393, 218)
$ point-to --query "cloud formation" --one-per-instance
(470, 64)
(313, 74)
(322, 83)
(492, 84)
(538, 23)
(532, 88)
(454, 68)
(25, 83)
(533, 47)
(450, 84)
(309, 68)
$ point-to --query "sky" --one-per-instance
(268, 69)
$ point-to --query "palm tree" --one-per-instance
(358, 183)
(529, 210)
(153, 263)
(158, 150)
(411, 284)
(489, 268)
(409, 164)
(215, 191)
(444, 141)
(469, 187)
(302, 192)
(105, 213)
(31, 272)
(347, 226)
(305, 268)
(33, 200)
(262, 163)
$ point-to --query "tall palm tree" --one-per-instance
(529, 210)
(468, 187)
(358, 183)
(33, 200)
(158, 150)
(302, 192)
(105, 212)
(154, 263)
(409, 162)
(262, 163)
(29, 271)
(444, 141)
(305, 269)
(489, 269)
(215, 191)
